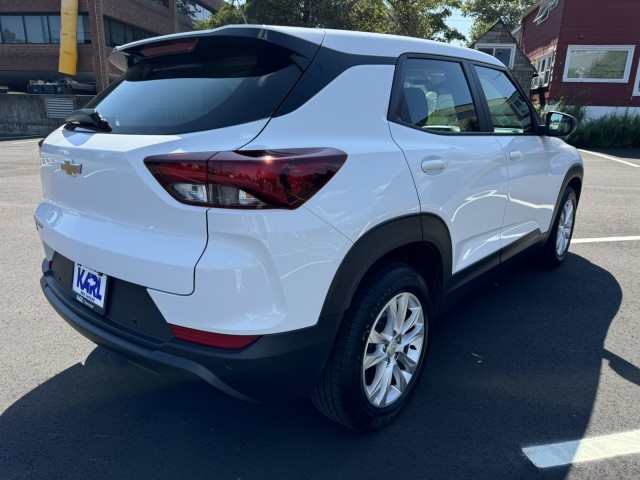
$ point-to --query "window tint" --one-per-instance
(223, 82)
(509, 110)
(436, 97)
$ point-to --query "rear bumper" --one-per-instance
(276, 367)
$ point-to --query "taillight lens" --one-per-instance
(247, 179)
(210, 339)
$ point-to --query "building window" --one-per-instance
(54, 28)
(117, 33)
(39, 29)
(83, 34)
(636, 85)
(543, 11)
(544, 67)
(598, 63)
(12, 27)
(193, 10)
(504, 52)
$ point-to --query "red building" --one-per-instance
(585, 51)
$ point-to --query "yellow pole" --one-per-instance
(68, 42)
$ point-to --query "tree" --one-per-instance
(417, 18)
(229, 14)
(487, 12)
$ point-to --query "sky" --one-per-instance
(462, 24)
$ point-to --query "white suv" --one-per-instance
(284, 212)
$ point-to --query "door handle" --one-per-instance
(429, 166)
(516, 155)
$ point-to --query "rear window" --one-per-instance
(222, 82)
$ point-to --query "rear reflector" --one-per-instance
(247, 179)
(213, 339)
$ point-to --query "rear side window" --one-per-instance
(436, 97)
(509, 110)
(224, 81)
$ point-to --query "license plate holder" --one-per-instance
(90, 287)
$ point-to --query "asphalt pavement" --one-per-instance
(531, 358)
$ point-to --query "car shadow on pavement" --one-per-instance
(515, 364)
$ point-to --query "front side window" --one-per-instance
(598, 63)
(503, 52)
(436, 97)
(509, 110)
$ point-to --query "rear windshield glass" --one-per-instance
(223, 82)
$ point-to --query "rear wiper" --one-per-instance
(87, 118)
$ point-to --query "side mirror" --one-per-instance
(560, 124)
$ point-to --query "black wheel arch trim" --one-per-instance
(374, 245)
(575, 172)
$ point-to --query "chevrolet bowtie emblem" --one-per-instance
(71, 168)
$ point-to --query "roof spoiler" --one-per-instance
(305, 45)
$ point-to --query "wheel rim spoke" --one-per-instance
(379, 338)
(383, 386)
(416, 334)
(401, 381)
(401, 312)
(374, 358)
(407, 362)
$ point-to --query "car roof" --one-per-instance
(352, 42)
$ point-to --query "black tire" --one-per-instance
(549, 256)
(340, 393)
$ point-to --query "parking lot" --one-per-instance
(533, 358)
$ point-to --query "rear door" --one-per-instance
(458, 168)
(102, 208)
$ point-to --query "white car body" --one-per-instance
(271, 272)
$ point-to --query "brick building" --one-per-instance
(30, 35)
(497, 41)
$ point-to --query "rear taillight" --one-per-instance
(247, 179)
(210, 339)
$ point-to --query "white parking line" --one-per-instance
(24, 141)
(604, 239)
(609, 157)
(585, 450)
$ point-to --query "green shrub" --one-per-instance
(614, 130)
(619, 129)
